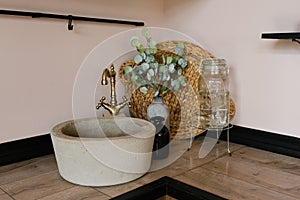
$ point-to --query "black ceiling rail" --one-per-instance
(69, 18)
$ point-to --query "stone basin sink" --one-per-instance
(103, 151)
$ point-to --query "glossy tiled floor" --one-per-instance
(249, 174)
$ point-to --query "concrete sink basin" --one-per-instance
(103, 151)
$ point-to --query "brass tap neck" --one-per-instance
(113, 107)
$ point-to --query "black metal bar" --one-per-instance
(67, 17)
(292, 35)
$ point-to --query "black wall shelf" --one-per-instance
(294, 36)
(69, 18)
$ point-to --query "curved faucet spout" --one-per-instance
(105, 74)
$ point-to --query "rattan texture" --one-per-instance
(182, 103)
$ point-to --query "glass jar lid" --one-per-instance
(214, 66)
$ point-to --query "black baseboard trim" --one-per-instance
(25, 149)
(33, 147)
(272, 142)
(167, 186)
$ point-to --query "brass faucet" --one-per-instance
(113, 108)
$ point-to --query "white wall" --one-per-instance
(265, 79)
(39, 58)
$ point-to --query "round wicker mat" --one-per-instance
(181, 103)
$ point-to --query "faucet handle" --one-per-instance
(126, 101)
(100, 102)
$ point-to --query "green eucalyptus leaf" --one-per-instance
(145, 32)
(134, 78)
(133, 72)
(127, 69)
(156, 93)
(168, 77)
(163, 59)
(160, 76)
(183, 83)
(148, 60)
(177, 85)
(154, 66)
(164, 88)
(141, 48)
(143, 55)
(179, 72)
(152, 59)
(152, 43)
(165, 84)
(182, 80)
(152, 85)
(138, 59)
(145, 66)
(140, 70)
(151, 72)
(165, 91)
(179, 52)
(172, 68)
(182, 62)
(179, 48)
(163, 68)
(175, 59)
(149, 76)
(153, 50)
(134, 41)
(147, 51)
(172, 83)
(164, 77)
(180, 45)
(144, 90)
(169, 60)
